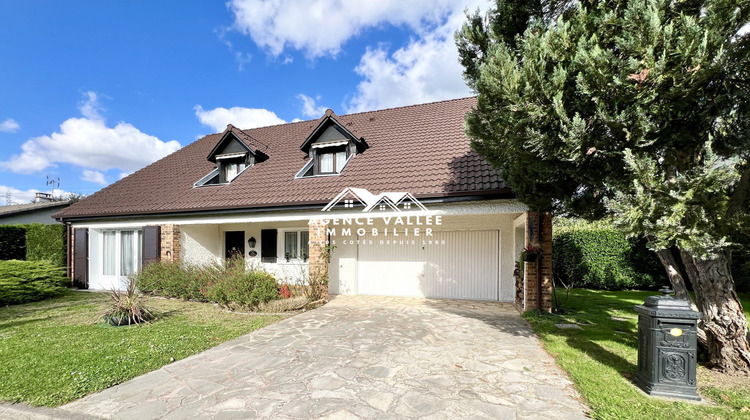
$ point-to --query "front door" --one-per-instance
(234, 243)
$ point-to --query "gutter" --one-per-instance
(312, 205)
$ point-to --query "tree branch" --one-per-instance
(738, 198)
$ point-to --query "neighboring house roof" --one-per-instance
(15, 209)
(421, 149)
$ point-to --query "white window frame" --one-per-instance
(321, 149)
(137, 251)
(281, 246)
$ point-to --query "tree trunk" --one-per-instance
(723, 319)
(673, 272)
(666, 256)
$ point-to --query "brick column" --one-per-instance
(545, 260)
(170, 243)
(318, 261)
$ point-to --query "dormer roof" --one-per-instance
(235, 141)
(330, 120)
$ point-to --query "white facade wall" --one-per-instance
(200, 244)
(202, 239)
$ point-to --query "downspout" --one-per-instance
(68, 253)
(539, 263)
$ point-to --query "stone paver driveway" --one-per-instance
(360, 357)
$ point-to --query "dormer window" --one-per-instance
(331, 160)
(231, 165)
(232, 157)
(330, 147)
(231, 170)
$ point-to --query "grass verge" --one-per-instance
(602, 357)
(54, 351)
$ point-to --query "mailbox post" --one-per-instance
(667, 347)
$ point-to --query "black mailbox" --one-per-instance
(667, 347)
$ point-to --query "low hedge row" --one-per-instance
(596, 255)
(29, 281)
(229, 284)
(33, 242)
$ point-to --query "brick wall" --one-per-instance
(170, 243)
(545, 260)
(317, 262)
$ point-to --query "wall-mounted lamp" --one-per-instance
(251, 242)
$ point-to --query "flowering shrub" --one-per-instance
(230, 283)
(284, 292)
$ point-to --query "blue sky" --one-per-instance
(90, 91)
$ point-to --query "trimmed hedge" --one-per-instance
(29, 281)
(45, 243)
(33, 242)
(596, 255)
(12, 243)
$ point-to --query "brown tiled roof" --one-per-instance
(421, 149)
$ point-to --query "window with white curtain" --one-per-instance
(109, 238)
(304, 246)
(326, 163)
(127, 254)
(121, 251)
(290, 245)
(296, 244)
(340, 160)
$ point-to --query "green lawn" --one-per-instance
(602, 357)
(53, 352)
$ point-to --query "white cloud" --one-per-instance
(321, 27)
(9, 126)
(218, 118)
(93, 176)
(425, 70)
(89, 143)
(242, 59)
(24, 196)
(310, 107)
(90, 107)
(124, 174)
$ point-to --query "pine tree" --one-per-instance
(637, 109)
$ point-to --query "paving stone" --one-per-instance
(327, 382)
(150, 409)
(415, 405)
(360, 357)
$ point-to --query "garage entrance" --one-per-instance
(455, 265)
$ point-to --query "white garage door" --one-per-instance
(462, 265)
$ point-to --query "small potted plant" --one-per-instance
(304, 256)
(531, 252)
(288, 256)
